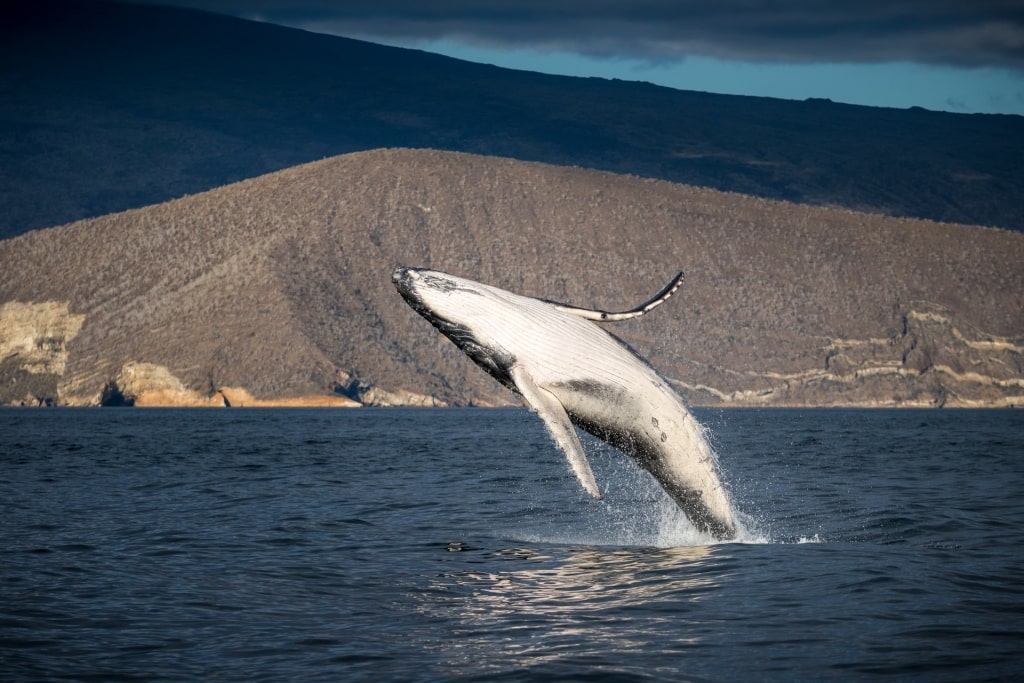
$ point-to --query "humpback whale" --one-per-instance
(570, 371)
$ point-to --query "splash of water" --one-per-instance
(634, 512)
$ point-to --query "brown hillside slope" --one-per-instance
(280, 287)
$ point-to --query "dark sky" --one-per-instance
(947, 32)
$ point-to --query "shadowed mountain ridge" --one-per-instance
(110, 106)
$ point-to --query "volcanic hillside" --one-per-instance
(106, 106)
(279, 287)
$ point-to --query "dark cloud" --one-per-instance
(948, 32)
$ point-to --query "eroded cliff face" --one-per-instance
(34, 339)
(933, 362)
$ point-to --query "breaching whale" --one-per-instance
(571, 371)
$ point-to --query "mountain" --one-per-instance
(107, 106)
(278, 289)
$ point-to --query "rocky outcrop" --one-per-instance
(146, 384)
(34, 341)
(375, 396)
(364, 393)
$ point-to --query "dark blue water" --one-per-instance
(334, 545)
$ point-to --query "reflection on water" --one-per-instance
(528, 601)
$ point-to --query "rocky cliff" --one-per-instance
(277, 290)
(34, 341)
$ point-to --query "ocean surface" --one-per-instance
(436, 545)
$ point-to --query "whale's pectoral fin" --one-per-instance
(551, 411)
(609, 317)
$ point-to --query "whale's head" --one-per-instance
(463, 310)
(440, 297)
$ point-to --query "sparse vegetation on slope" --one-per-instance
(281, 286)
